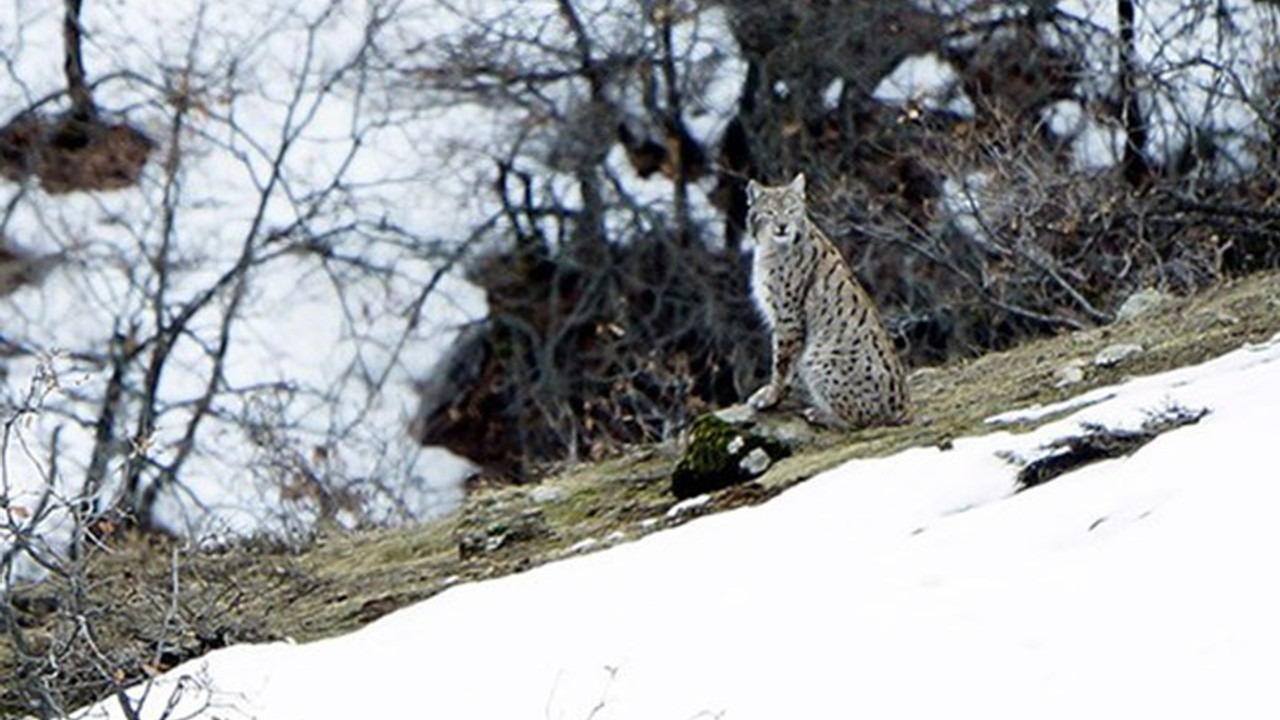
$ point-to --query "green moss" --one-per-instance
(719, 454)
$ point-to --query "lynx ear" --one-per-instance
(753, 192)
(797, 185)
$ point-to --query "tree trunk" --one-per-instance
(1134, 162)
(82, 105)
(677, 135)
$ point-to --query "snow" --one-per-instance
(916, 585)
(1181, 47)
(1184, 47)
(926, 79)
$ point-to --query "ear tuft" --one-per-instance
(797, 185)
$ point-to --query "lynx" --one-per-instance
(825, 328)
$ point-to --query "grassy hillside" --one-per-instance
(163, 603)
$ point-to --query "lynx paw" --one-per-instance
(764, 398)
(816, 417)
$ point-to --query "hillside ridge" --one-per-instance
(251, 592)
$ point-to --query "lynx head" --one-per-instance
(776, 213)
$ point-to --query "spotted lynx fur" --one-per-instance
(826, 330)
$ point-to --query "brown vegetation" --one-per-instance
(70, 154)
(578, 360)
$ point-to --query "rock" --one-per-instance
(1115, 354)
(500, 519)
(695, 504)
(545, 494)
(1211, 319)
(1069, 374)
(786, 423)
(756, 462)
(719, 453)
(1142, 302)
(1098, 442)
(740, 414)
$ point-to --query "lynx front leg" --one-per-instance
(788, 340)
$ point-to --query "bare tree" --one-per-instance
(62, 635)
(600, 295)
(266, 197)
(1032, 103)
(227, 343)
(1133, 164)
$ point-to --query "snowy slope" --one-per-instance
(917, 585)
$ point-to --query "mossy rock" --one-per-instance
(719, 454)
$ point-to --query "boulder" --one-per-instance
(1140, 304)
(720, 452)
